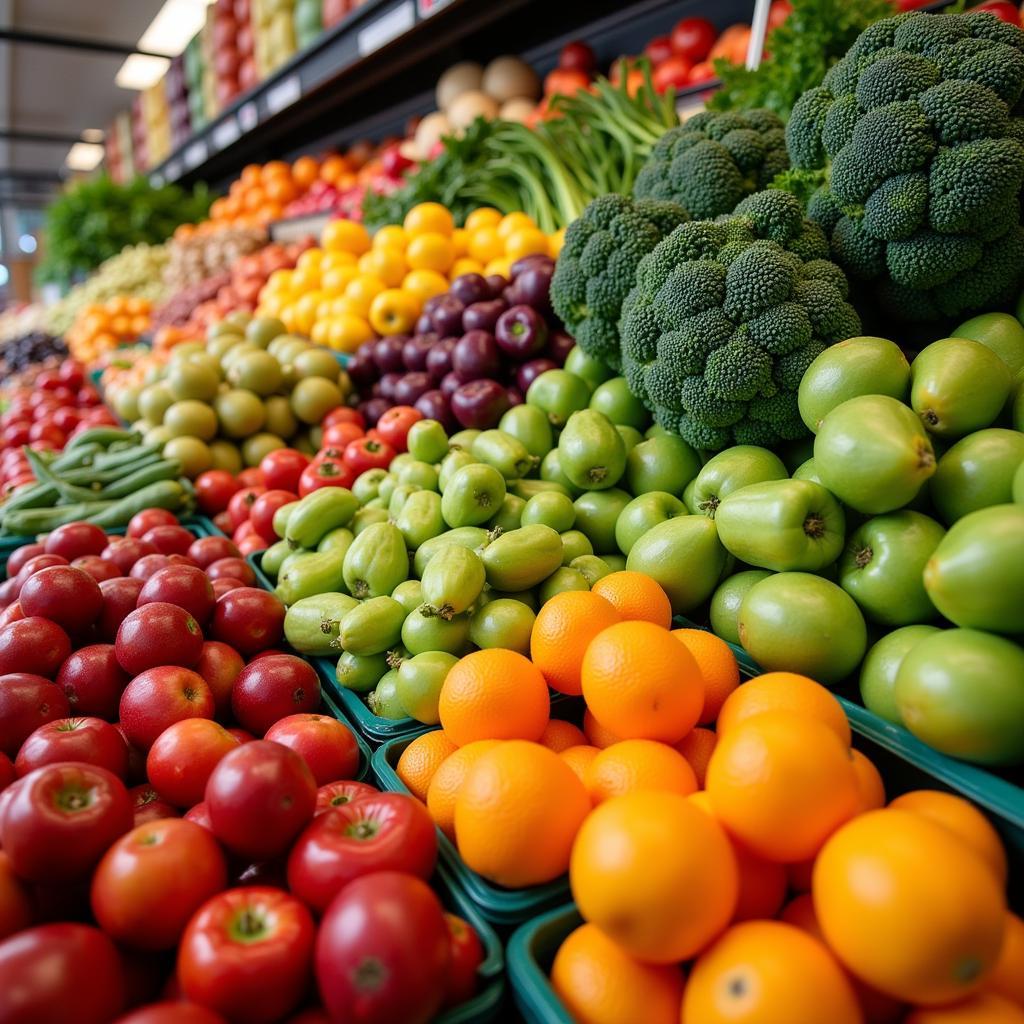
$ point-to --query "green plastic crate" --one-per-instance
(497, 904)
(531, 949)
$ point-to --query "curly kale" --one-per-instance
(920, 128)
(597, 264)
(725, 318)
(712, 161)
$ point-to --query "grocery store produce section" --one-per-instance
(561, 560)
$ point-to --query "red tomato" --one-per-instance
(159, 697)
(251, 544)
(703, 72)
(1002, 9)
(222, 520)
(241, 503)
(246, 529)
(383, 951)
(259, 797)
(183, 757)
(261, 515)
(144, 521)
(336, 794)
(73, 540)
(61, 972)
(148, 806)
(7, 773)
(93, 681)
(340, 434)
(248, 619)
(207, 550)
(394, 425)
(389, 832)
(674, 73)
(185, 586)
(577, 56)
(173, 1013)
(15, 905)
(269, 689)
(565, 82)
(89, 740)
(219, 665)
(693, 38)
(779, 11)
(251, 477)
(324, 743)
(326, 473)
(214, 489)
(659, 49)
(60, 819)
(368, 453)
(27, 701)
(344, 414)
(467, 956)
(247, 954)
(151, 881)
(158, 634)
(282, 468)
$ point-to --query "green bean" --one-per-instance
(69, 492)
(32, 521)
(105, 436)
(167, 494)
(36, 495)
(166, 469)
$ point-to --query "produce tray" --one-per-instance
(531, 949)
(1000, 797)
(498, 905)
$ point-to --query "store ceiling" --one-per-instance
(60, 90)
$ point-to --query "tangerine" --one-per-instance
(560, 736)
(632, 765)
(421, 759)
(717, 665)
(562, 630)
(636, 596)
(447, 781)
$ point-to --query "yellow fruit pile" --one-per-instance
(354, 287)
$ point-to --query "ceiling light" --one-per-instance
(84, 156)
(93, 135)
(27, 243)
(174, 26)
(139, 72)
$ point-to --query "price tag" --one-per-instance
(283, 94)
(387, 27)
(426, 8)
(226, 133)
(195, 154)
(248, 116)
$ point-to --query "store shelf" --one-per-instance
(375, 70)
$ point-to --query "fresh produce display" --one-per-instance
(102, 326)
(356, 288)
(25, 350)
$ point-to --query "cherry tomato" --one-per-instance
(344, 414)
(261, 515)
(693, 38)
(467, 956)
(60, 819)
(1002, 9)
(144, 521)
(282, 468)
(702, 72)
(394, 425)
(659, 49)
(383, 951)
(61, 972)
(388, 832)
(577, 56)
(326, 473)
(247, 954)
(565, 82)
(214, 489)
(673, 73)
(368, 453)
(779, 11)
(152, 880)
(240, 505)
(337, 435)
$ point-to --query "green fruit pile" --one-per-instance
(225, 403)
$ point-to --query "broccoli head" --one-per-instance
(710, 163)
(598, 262)
(725, 318)
(921, 131)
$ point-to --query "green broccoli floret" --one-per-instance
(597, 264)
(725, 318)
(712, 161)
(916, 130)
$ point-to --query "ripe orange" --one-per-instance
(636, 596)
(421, 759)
(717, 665)
(578, 758)
(561, 632)
(517, 814)
(494, 694)
(981, 1008)
(909, 907)
(962, 818)
(559, 736)
(596, 733)
(656, 874)
(1007, 979)
(633, 765)
(641, 683)
(762, 886)
(784, 691)
(697, 746)
(447, 781)
(305, 171)
(782, 784)
(869, 781)
(597, 982)
(767, 972)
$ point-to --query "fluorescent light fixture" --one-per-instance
(84, 156)
(93, 135)
(27, 243)
(139, 72)
(174, 26)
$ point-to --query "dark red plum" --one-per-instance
(410, 386)
(529, 372)
(373, 410)
(482, 316)
(560, 345)
(533, 286)
(434, 406)
(387, 353)
(497, 284)
(388, 383)
(521, 332)
(416, 350)
(439, 358)
(446, 316)
(480, 404)
(470, 288)
(476, 356)
(450, 383)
